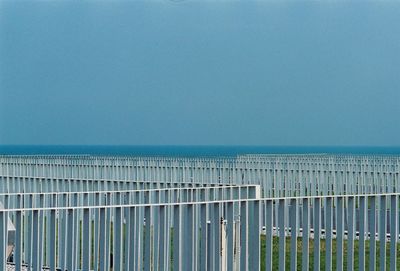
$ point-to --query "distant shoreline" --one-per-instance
(193, 151)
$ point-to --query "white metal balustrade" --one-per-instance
(160, 213)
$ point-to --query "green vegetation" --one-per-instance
(275, 257)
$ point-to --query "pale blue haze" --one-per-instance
(200, 73)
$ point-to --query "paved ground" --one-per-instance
(11, 267)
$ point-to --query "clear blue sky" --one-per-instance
(200, 72)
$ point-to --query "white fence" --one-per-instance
(199, 215)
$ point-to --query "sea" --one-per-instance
(191, 151)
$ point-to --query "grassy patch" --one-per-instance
(322, 251)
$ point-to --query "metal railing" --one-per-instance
(200, 214)
(205, 235)
(278, 175)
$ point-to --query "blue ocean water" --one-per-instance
(191, 151)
